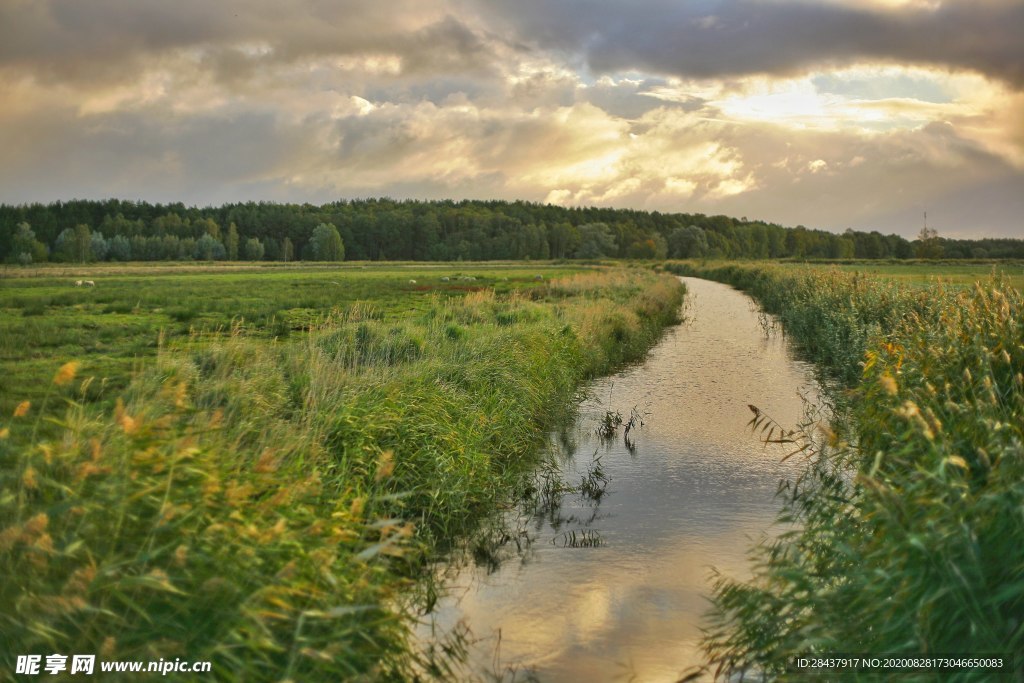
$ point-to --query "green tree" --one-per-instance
(207, 226)
(100, 246)
(186, 249)
(208, 248)
(652, 247)
(253, 249)
(25, 248)
(688, 242)
(232, 243)
(64, 246)
(83, 243)
(120, 248)
(326, 243)
(563, 239)
(171, 224)
(927, 244)
(596, 241)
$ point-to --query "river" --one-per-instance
(694, 492)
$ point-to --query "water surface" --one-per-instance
(695, 493)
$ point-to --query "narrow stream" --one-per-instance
(693, 494)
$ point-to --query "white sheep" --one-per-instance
(90, 283)
(78, 283)
(445, 279)
(412, 282)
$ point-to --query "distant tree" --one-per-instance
(100, 246)
(441, 230)
(326, 243)
(232, 243)
(171, 224)
(64, 246)
(253, 249)
(796, 242)
(660, 246)
(207, 226)
(927, 245)
(596, 241)
(74, 244)
(688, 242)
(563, 239)
(845, 248)
(119, 225)
(427, 233)
(167, 248)
(271, 249)
(25, 248)
(901, 248)
(120, 248)
(652, 247)
(140, 248)
(287, 250)
(209, 248)
(186, 250)
(83, 243)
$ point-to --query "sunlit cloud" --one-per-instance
(644, 106)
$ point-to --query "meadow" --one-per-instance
(277, 454)
(908, 537)
(927, 273)
(112, 329)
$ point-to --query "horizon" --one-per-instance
(740, 220)
(830, 114)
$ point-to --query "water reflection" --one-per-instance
(693, 492)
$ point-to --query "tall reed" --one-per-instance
(910, 538)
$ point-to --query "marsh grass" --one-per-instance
(266, 503)
(594, 482)
(609, 424)
(908, 535)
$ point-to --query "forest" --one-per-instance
(390, 230)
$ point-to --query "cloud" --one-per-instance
(706, 106)
(104, 40)
(720, 39)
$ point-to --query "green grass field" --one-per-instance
(115, 327)
(925, 273)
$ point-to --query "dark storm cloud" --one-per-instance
(714, 39)
(76, 40)
(103, 40)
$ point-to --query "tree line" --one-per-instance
(385, 229)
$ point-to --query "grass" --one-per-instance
(116, 326)
(950, 273)
(908, 537)
(267, 501)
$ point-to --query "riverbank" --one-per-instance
(608, 581)
(257, 503)
(911, 540)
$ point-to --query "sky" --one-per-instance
(831, 114)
